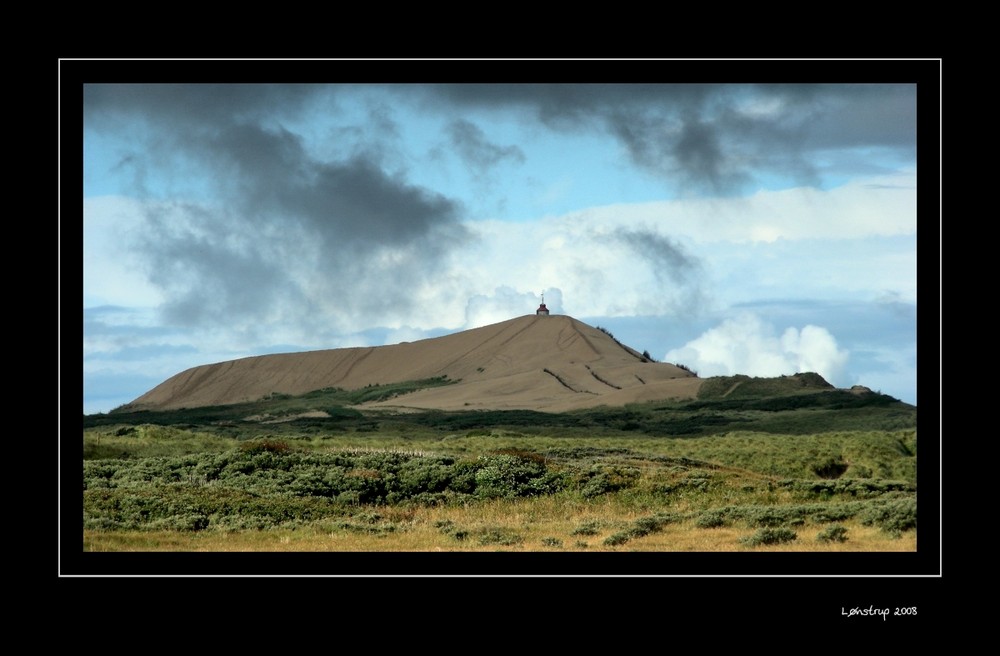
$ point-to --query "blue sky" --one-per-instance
(754, 229)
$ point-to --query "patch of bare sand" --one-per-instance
(269, 419)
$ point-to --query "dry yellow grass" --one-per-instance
(535, 525)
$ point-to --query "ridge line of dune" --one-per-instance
(579, 333)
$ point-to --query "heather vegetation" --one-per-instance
(753, 464)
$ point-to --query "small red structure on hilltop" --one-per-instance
(542, 311)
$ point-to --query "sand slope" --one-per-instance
(551, 363)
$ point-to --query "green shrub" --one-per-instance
(770, 517)
(862, 487)
(449, 527)
(552, 542)
(641, 528)
(444, 525)
(711, 519)
(837, 512)
(506, 476)
(587, 528)
(646, 525)
(893, 517)
(221, 522)
(265, 446)
(498, 536)
(835, 533)
(366, 527)
(603, 479)
(100, 524)
(769, 536)
(187, 522)
(695, 482)
(529, 456)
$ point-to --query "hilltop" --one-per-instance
(550, 363)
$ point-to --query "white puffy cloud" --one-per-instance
(748, 345)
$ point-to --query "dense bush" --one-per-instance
(602, 479)
(183, 507)
(449, 527)
(498, 536)
(875, 511)
(865, 487)
(186, 493)
(711, 519)
(835, 533)
(769, 536)
(618, 538)
(894, 516)
(506, 476)
(587, 528)
(838, 512)
(641, 528)
(185, 522)
(251, 475)
(523, 454)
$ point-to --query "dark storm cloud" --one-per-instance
(696, 137)
(568, 106)
(377, 139)
(366, 237)
(667, 258)
(710, 137)
(284, 225)
(471, 144)
(678, 274)
(167, 106)
(687, 150)
(288, 222)
(345, 203)
(356, 203)
(864, 115)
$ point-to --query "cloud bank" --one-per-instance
(748, 345)
(711, 138)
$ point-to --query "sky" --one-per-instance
(758, 229)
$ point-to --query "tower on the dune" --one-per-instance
(542, 311)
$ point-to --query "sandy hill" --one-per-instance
(550, 363)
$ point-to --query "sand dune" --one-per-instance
(551, 363)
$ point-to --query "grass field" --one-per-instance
(774, 467)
